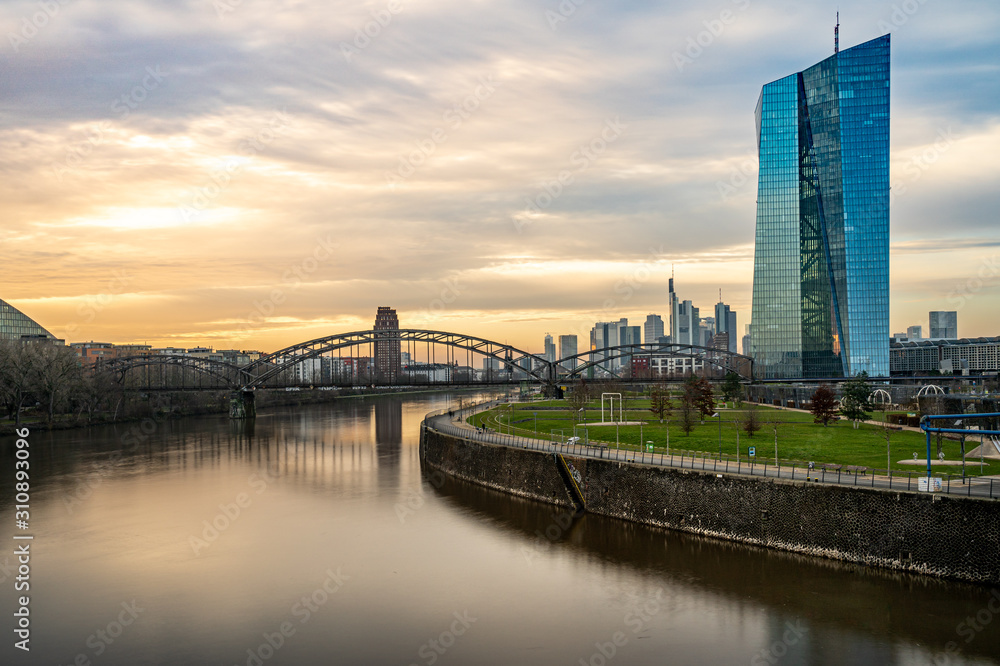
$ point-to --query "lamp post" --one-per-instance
(719, 414)
(536, 422)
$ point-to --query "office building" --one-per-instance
(550, 349)
(914, 332)
(725, 322)
(15, 325)
(673, 302)
(688, 326)
(821, 260)
(943, 324)
(387, 352)
(567, 348)
(652, 330)
(922, 357)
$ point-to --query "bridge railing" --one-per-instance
(951, 484)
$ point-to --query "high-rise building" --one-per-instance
(914, 332)
(550, 348)
(688, 325)
(630, 335)
(821, 261)
(387, 355)
(567, 347)
(652, 330)
(15, 325)
(944, 324)
(706, 330)
(674, 303)
(725, 322)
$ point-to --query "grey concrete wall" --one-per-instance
(938, 535)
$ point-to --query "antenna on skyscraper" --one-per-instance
(836, 35)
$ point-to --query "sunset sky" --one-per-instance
(255, 173)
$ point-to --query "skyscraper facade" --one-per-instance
(550, 348)
(944, 324)
(387, 355)
(567, 347)
(686, 324)
(725, 322)
(653, 329)
(821, 261)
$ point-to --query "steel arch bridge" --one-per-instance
(271, 367)
(228, 375)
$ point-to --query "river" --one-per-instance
(312, 536)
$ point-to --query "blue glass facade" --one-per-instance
(821, 261)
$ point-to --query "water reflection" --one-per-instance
(150, 513)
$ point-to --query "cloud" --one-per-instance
(142, 138)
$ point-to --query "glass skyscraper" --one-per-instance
(821, 261)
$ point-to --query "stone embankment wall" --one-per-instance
(938, 535)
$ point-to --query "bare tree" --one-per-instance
(578, 399)
(659, 402)
(55, 370)
(15, 376)
(751, 419)
(774, 424)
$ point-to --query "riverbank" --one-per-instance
(938, 535)
(178, 404)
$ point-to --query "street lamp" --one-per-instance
(536, 422)
(719, 414)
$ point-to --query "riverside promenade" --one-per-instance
(453, 422)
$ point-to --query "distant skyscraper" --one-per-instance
(706, 329)
(821, 261)
(387, 355)
(600, 337)
(550, 349)
(914, 332)
(568, 347)
(674, 304)
(725, 322)
(688, 324)
(652, 330)
(944, 324)
(630, 335)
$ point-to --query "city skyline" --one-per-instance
(185, 176)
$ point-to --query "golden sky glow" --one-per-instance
(246, 174)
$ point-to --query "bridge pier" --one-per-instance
(242, 405)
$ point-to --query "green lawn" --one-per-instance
(799, 439)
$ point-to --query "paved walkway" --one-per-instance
(454, 424)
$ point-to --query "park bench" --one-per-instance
(830, 467)
(856, 469)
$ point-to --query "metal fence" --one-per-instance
(951, 484)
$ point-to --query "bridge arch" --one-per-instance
(232, 376)
(267, 367)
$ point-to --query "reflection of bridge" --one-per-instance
(507, 363)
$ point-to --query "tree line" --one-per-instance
(51, 378)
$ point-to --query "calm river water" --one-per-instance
(314, 538)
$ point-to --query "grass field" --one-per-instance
(798, 438)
